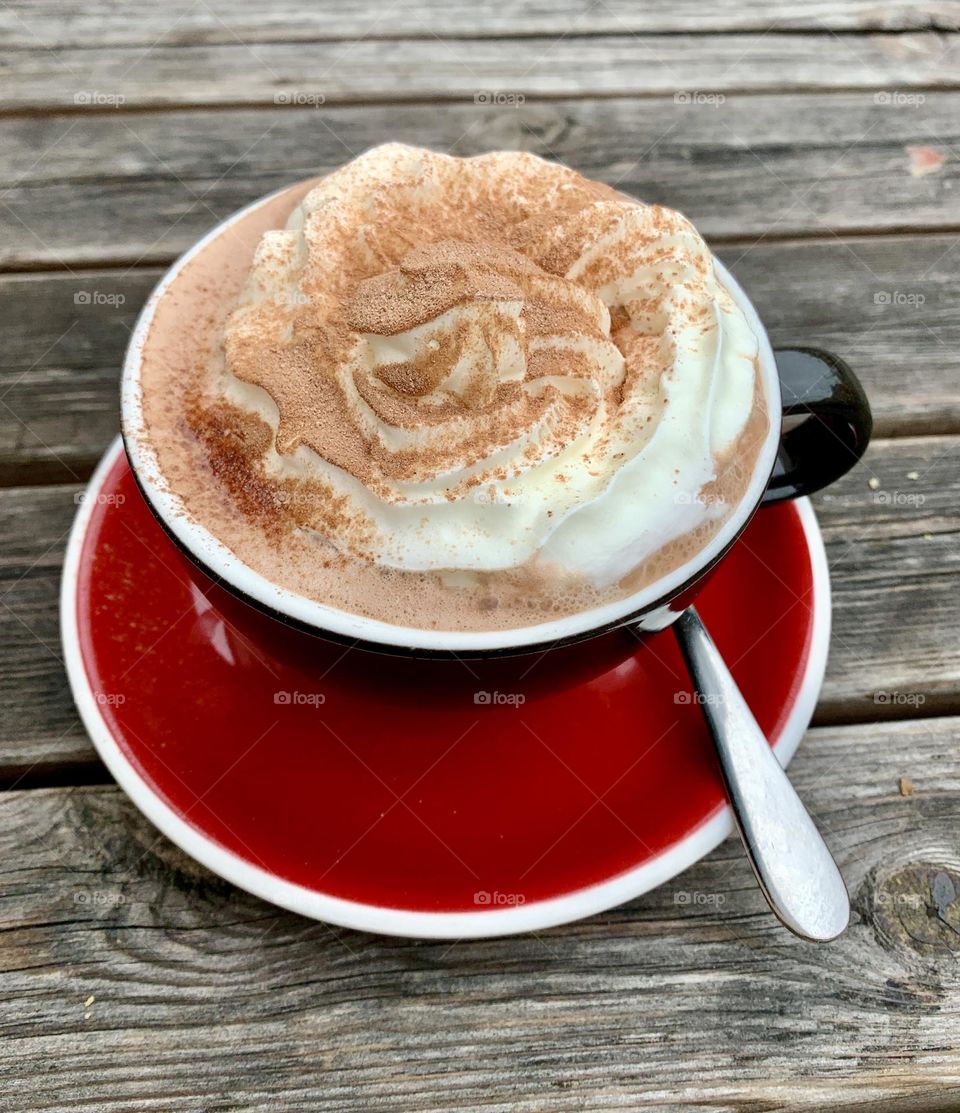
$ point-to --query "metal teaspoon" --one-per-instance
(796, 871)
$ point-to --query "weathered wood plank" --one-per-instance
(40, 728)
(28, 23)
(891, 531)
(431, 67)
(59, 376)
(893, 554)
(59, 388)
(89, 189)
(132, 978)
(884, 305)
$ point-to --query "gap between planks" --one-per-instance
(157, 107)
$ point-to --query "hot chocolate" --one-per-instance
(459, 394)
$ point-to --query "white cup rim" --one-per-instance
(223, 564)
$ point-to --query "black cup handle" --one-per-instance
(826, 423)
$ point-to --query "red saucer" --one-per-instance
(555, 783)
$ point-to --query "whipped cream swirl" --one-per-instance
(472, 363)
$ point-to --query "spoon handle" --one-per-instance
(795, 869)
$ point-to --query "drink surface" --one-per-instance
(461, 394)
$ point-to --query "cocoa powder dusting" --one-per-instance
(423, 329)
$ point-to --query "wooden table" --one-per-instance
(789, 132)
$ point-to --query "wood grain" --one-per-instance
(894, 561)
(141, 187)
(891, 532)
(59, 378)
(431, 67)
(135, 980)
(40, 728)
(30, 23)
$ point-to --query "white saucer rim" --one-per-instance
(537, 915)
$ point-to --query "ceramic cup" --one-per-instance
(825, 428)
